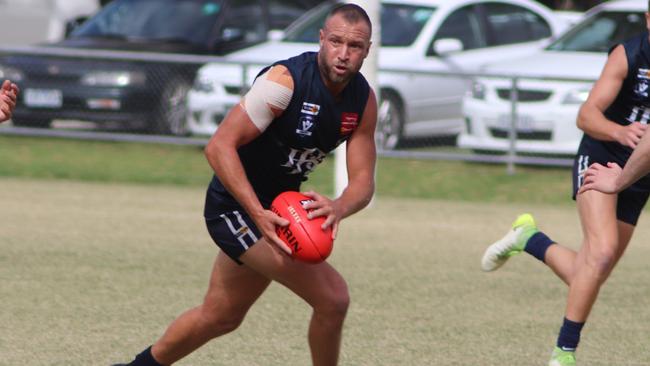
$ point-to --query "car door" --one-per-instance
(432, 102)
(488, 32)
(25, 21)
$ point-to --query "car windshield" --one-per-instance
(400, 25)
(189, 21)
(600, 32)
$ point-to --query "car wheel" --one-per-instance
(171, 117)
(35, 123)
(390, 122)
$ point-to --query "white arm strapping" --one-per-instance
(263, 95)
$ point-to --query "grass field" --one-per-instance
(51, 158)
(92, 273)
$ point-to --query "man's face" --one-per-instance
(343, 46)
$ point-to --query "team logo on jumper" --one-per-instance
(310, 108)
(306, 123)
(643, 74)
(641, 89)
(303, 161)
(349, 122)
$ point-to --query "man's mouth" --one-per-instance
(340, 68)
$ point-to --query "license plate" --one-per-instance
(524, 122)
(43, 98)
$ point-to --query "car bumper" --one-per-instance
(46, 102)
(206, 111)
(542, 128)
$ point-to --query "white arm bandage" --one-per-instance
(263, 95)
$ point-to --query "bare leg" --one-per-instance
(564, 261)
(605, 240)
(232, 291)
(320, 285)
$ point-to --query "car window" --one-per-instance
(463, 25)
(306, 29)
(183, 20)
(243, 22)
(600, 32)
(284, 12)
(400, 25)
(510, 24)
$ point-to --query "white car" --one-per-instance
(434, 36)
(547, 109)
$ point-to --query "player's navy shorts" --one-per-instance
(631, 200)
(230, 227)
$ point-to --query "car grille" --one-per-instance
(57, 79)
(525, 95)
(522, 135)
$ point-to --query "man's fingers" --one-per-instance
(281, 222)
(585, 187)
(282, 245)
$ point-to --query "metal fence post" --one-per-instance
(244, 82)
(512, 132)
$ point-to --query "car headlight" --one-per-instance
(577, 96)
(113, 78)
(478, 90)
(203, 85)
(10, 73)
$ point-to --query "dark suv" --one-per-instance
(65, 81)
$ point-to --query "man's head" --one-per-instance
(344, 44)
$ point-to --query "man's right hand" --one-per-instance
(267, 221)
(602, 178)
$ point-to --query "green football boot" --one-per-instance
(512, 243)
(560, 357)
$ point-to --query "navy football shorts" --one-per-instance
(232, 230)
(631, 200)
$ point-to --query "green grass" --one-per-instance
(92, 273)
(52, 158)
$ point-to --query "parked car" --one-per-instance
(547, 109)
(148, 92)
(436, 35)
(36, 21)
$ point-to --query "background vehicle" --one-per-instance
(35, 21)
(437, 35)
(547, 109)
(148, 92)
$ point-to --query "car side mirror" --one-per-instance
(73, 24)
(446, 46)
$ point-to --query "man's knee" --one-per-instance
(221, 321)
(336, 302)
(602, 260)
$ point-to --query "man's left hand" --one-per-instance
(323, 206)
(8, 95)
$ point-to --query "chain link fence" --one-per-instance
(135, 96)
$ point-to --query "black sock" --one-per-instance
(537, 245)
(145, 358)
(569, 335)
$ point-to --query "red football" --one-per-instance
(307, 240)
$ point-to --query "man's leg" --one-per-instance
(320, 285)
(605, 240)
(232, 291)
